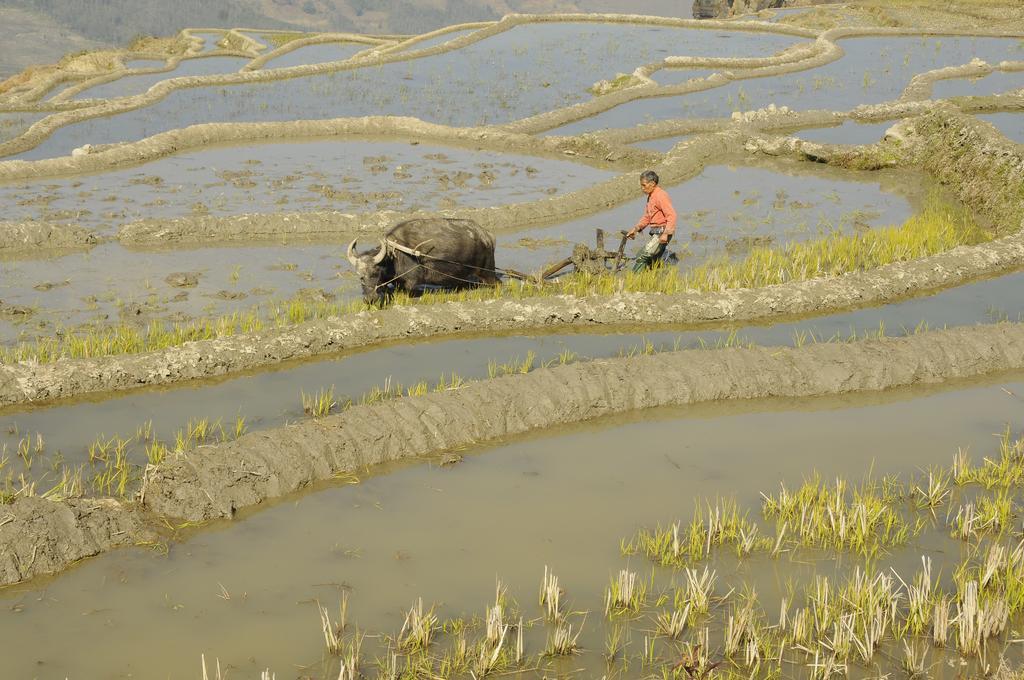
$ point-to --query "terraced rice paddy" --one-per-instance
(317, 174)
(316, 54)
(794, 451)
(455, 88)
(137, 84)
(221, 588)
(871, 70)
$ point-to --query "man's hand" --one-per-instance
(631, 234)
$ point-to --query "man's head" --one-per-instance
(648, 181)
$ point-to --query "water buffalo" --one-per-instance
(454, 254)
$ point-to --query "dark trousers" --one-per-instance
(651, 253)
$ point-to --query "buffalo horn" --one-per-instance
(379, 257)
(352, 253)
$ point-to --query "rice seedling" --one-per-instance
(698, 590)
(920, 599)
(913, 660)
(858, 520)
(320, 403)
(68, 486)
(349, 665)
(625, 593)
(935, 491)
(561, 641)
(331, 632)
(672, 624)
(940, 621)
(218, 676)
(418, 629)
(453, 382)
(550, 595)
(613, 642)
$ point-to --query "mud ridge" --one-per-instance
(35, 235)
(42, 536)
(318, 39)
(25, 382)
(222, 479)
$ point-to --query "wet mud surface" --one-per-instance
(345, 175)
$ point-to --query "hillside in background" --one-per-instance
(417, 16)
(42, 31)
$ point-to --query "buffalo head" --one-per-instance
(375, 271)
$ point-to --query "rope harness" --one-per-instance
(420, 255)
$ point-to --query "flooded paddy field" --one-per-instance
(505, 77)
(111, 284)
(871, 71)
(728, 209)
(14, 123)
(137, 84)
(348, 174)
(272, 398)
(724, 211)
(223, 593)
(848, 132)
(316, 54)
(662, 144)
(1010, 124)
(439, 39)
(993, 83)
(210, 39)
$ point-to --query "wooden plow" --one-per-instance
(584, 259)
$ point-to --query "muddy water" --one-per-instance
(349, 175)
(129, 85)
(993, 83)
(439, 39)
(111, 283)
(727, 209)
(210, 39)
(14, 123)
(524, 71)
(316, 54)
(271, 398)
(244, 591)
(849, 132)
(872, 70)
(1010, 124)
(675, 76)
(663, 144)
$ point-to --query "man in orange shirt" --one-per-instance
(660, 216)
